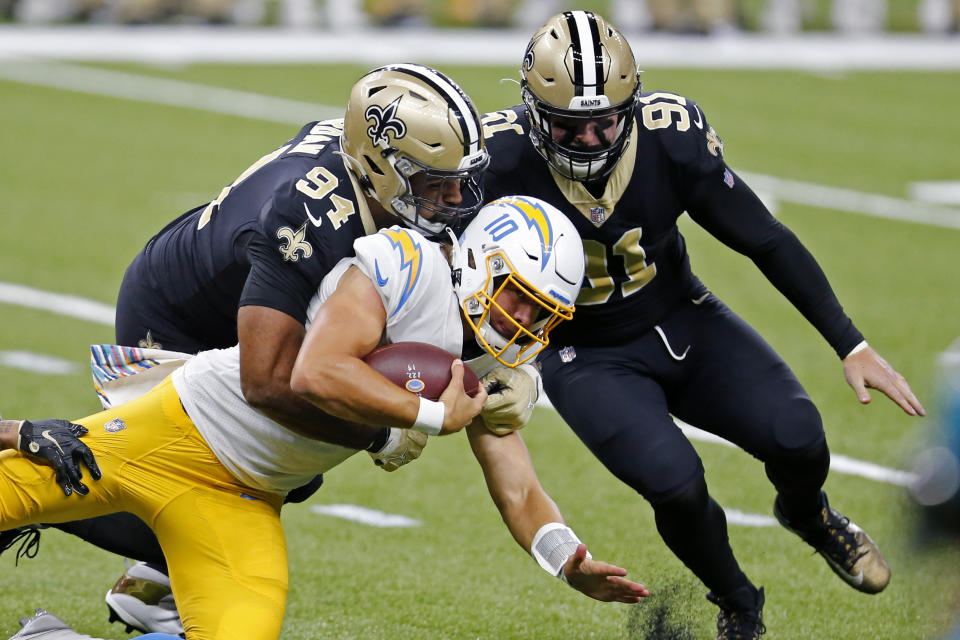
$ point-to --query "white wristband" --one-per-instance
(429, 417)
(553, 545)
(857, 349)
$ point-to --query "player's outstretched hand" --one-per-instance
(459, 408)
(600, 580)
(58, 442)
(866, 369)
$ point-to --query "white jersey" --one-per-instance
(411, 275)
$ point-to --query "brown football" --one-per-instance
(419, 368)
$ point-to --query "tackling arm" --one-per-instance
(269, 342)
(528, 511)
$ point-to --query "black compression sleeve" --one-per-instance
(737, 217)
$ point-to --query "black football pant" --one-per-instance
(708, 368)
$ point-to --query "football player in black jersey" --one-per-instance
(245, 266)
(649, 341)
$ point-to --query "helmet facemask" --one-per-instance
(583, 164)
(430, 213)
(519, 262)
(529, 341)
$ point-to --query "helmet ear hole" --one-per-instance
(471, 261)
(372, 165)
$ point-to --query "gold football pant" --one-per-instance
(223, 540)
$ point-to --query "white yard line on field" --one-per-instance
(59, 303)
(37, 363)
(364, 515)
(130, 86)
(838, 463)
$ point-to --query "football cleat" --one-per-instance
(28, 537)
(741, 614)
(847, 548)
(46, 626)
(142, 600)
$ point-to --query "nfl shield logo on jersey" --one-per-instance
(728, 178)
(597, 215)
(567, 354)
(117, 424)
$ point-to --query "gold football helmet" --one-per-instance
(408, 119)
(579, 68)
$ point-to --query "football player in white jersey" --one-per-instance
(208, 472)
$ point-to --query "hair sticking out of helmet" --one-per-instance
(520, 265)
(414, 139)
(579, 77)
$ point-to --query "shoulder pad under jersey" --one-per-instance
(682, 129)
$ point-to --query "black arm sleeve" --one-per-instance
(736, 216)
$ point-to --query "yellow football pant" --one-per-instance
(223, 541)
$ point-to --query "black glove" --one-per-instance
(58, 442)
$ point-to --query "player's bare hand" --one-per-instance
(600, 580)
(867, 370)
(460, 409)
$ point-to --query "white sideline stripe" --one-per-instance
(941, 191)
(735, 516)
(37, 363)
(184, 94)
(364, 515)
(880, 206)
(839, 463)
(375, 518)
(63, 304)
(129, 86)
(173, 44)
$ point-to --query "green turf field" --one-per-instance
(85, 180)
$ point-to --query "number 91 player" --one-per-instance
(191, 445)
(649, 341)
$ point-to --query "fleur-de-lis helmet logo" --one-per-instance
(529, 58)
(384, 120)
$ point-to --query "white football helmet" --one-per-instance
(408, 119)
(578, 68)
(529, 246)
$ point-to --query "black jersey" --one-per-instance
(637, 268)
(267, 240)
